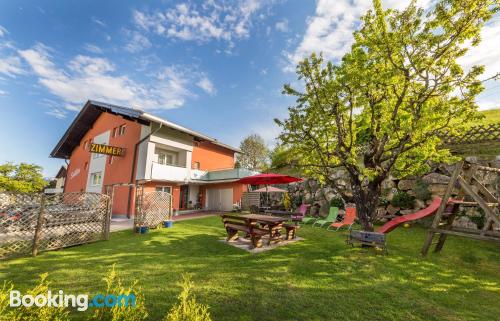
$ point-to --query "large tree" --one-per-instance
(23, 178)
(254, 153)
(380, 110)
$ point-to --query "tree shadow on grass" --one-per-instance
(319, 278)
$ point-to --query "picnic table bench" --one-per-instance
(234, 223)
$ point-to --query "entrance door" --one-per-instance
(184, 197)
(220, 199)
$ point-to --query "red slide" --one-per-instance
(428, 211)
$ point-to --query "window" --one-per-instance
(114, 132)
(110, 160)
(166, 157)
(96, 178)
(86, 145)
(122, 130)
(86, 165)
(196, 165)
(165, 189)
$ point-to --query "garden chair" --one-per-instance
(350, 216)
(332, 217)
(300, 214)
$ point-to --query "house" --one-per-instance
(109, 145)
(58, 183)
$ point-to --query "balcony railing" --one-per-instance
(169, 172)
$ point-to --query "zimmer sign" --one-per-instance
(107, 150)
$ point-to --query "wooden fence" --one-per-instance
(475, 134)
(30, 223)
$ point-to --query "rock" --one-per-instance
(464, 222)
(392, 209)
(383, 220)
(419, 204)
(472, 159)
(406, 184)
(436, 178)
(388, 184)
(406, 212)
(324, 209)
(438, 189)
(381, 211)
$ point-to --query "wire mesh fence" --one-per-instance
(153, 208)
(30, 223)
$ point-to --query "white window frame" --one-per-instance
(162, 189)
(93, 176)
(163, 156)
(121, 131)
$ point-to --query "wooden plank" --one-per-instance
(442, 206)
(39, 226)
(487, 210)
(489, 196)
(467, 234)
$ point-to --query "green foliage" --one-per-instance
(383, 201)
(282, 162)
(22, 178)
(403, 200)
(381, 109)
(187, 309)
(287, 202)
(337, 201)
(121, 312)
(421, 190)
(32, 313)
(254, 154)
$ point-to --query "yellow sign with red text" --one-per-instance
(107, 150)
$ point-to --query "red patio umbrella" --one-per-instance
(267, 179)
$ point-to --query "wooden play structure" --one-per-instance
(464, 178)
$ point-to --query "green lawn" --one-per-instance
(319, 278)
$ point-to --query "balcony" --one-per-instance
(227, 174)
(169, 172)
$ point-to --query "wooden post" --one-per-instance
(39, 226)
(487, 210)
(442, 206)
(107, 218)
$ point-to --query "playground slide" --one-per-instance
(428, 211)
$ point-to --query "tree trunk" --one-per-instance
(366, 199)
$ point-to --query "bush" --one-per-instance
(188, 309)
(287, 203)
(383, 201)
(121, 312)
(337, 202)
(33, 313)
(421, 190)
(403, 200)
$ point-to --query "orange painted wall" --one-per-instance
(212, 157)
(117, 172)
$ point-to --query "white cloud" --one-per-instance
(98, 22)
(263, 72)
(207, 85)
(10, 66)
(213, 20)
(92, 48)
(57, 113)
(330, 29)
(95, 78)
(137, 42)
(3, 31)
(3, 93)
(282, 25)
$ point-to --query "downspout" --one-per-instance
(134, 161)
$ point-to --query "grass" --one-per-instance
(319, 278)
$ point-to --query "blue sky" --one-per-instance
(216, 66)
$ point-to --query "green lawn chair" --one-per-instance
(332, 217)
(309, 219)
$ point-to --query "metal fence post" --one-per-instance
(39, 226)
(107, 218)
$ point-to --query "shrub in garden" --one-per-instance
(337, 202)
(121, 312)
(421, 190)
(403, 200)
(187, 309)
(33, 313)
(287, 203)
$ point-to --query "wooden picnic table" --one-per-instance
(272, 223)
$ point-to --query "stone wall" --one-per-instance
(310, 192)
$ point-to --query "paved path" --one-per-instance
(121, 224)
